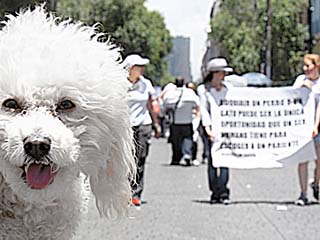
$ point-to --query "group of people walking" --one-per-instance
(189, 110)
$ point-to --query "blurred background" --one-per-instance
(262, 36)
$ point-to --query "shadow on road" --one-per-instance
(254, 202)
(178, 165)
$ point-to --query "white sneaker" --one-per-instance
(187, 159)
(195, 163)
(186, 156)
(204, 160)
(226, 201)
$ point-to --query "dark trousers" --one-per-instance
(142, 136)
(194, 150)
(218, 179)
(181, 141)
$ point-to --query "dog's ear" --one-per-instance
(109, 164)
(111, 186)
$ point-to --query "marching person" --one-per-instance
(211, 92)
(310, 79)
(195, 124)
(164, 123)
(141, 94)
(182, 103)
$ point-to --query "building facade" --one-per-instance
(212, 48)
(315, 17)
(179, 58)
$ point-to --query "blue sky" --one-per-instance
(189, 18)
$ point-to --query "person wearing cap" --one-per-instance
(211, 92)
(182, 102)
(142, 118)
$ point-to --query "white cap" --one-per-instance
(135, 59)
(218, 64)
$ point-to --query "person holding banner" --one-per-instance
(310, 79)
(211, 92)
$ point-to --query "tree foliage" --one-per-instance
(13, 6)
(130, 24)
(239, 29)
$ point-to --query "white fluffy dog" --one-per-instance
(63, 115)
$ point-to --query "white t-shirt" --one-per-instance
(139, 94)
(315, 86)
(210, 99)
(168, 87)
(300, 80)
(188, 102)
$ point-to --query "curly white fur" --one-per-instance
(42, 62)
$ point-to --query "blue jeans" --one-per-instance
(218, 179)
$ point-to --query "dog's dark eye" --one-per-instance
(66, 105)
(11, 103)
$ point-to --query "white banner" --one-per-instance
(263, 127)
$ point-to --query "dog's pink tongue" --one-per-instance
(39, 176)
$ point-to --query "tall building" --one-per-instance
(315, 17)
(179, 58)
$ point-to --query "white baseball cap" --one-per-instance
(135, 60)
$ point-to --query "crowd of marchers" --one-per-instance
(182, 114)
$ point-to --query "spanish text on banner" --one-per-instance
(263, 127)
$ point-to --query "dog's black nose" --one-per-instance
(37, 149)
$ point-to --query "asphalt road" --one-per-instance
(176, 206)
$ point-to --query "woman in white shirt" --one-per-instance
(310, 79)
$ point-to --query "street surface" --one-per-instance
(176, 206)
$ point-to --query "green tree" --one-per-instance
(238, 32)
(13, 6)
(289, 37)
(130, 24)
(239, 29)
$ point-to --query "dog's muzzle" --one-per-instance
(39, 170)
(38, 148)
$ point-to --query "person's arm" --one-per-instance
(198, 112)
(196, 119)
(209, 133)
(317, 121)
(307, 83)
(205, 115)
(154, 117)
